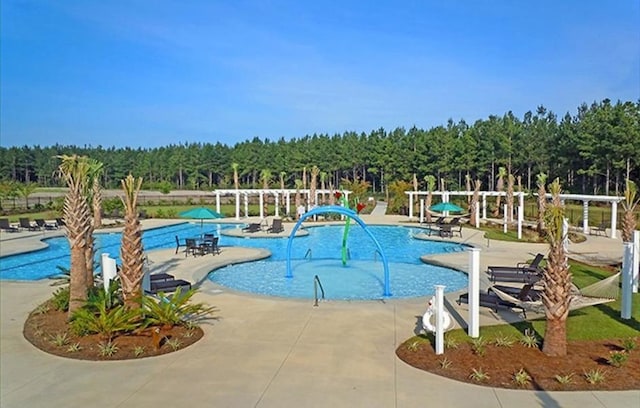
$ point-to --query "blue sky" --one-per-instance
(151, 73)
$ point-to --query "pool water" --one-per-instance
(318, 253)
(361, 278)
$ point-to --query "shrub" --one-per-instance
(107, 349)
(529, 339)
(74, 347)
(565, 379)
(445, 363)
(618, 358)
(629, 344)
(522, 378)
(138, 351)
(60, 339)
(450, 342)
(60, 299)
(479, 375)
(594, 376)
(174, 310)
(503, 341)
(479, 346)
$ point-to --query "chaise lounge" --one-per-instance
(493, 301)
(6, 226)
(276, 226)
(253, 227)
(522, 272)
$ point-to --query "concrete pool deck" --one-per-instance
(270, 352)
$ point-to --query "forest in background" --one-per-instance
(592, 152)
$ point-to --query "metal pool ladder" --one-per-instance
(316, 284)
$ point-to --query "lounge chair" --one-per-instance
(522, 272)
(492, 301)
(167, 285)
(44, 225)
(526, 293)
(437, 223)
(60, 222)
(600, 229)
(276, 226)
(25, 223)
(253, 227)
(6, 226)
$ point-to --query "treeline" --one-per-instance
(592, 151)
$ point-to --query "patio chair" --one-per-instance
(25, 223)
(169, 285)
(210, 244)
(178, 244)
(253, 227)
(276, 226)
(40, 222)
(6, 226)
(193, 248)
(437, 224)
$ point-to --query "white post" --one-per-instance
(474, 293)
(484, 206)
(505, 219)
(109, 270)
(421, 210)
(585, 217)
(627, 269)
(246, 204)
(237, 205)
(520, 216)
(289, 204)
(261, 205)
(410, 206)
(636, 260)
(614, 218)
(217, 201)
(439, 319)
(277, 204)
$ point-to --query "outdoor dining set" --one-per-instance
(203, 245)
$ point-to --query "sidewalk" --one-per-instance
(269, 352)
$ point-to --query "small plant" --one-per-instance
(618, 358)
(522, 378)
(38, 332)
(175, 310)
(414, 345)
(594, 376)
(74, 347)
(60, 299)
(60, 339)
(42, 309)
(138, 351)
(445, 363)
(107, 349)
(529, 339)
(191, 325)
(479, 346)
(450, 342)
(479, 375)
(629, 344)
(564, 379)
(189, 333)
(503, 341)
(174, 344)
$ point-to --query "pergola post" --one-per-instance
(288, 203)
(421, 210)
(277, 204)
(585, 216)
(246, 205)
(410, 205)
(261, 197)
(237, 205)
(484, 206)
(614, 218)
(217, 201)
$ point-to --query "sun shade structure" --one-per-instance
(446, 206)
(201, 213)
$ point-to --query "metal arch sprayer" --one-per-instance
(351, 215)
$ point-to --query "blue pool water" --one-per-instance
(318, 253)
(361, 278)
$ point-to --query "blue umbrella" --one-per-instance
(446, 206)
(201, 213)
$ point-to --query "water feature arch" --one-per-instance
(347, 213)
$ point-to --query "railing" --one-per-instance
(308, 254)
(316, 284)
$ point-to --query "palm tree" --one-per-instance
(96, 193)
(75, 170)
(236, 183)
(510, 181)
(323, 179)
(95, 168)
(557, 279)
(475, 201)
(314, 182)
(265, 177)
(131, 250)
(541, 181)
(467, 182)
(25, 190)
(502, 172)
(629, 205)
(431, 184)
(298, 200)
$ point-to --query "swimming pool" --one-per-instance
(319, 253)
(44, 263)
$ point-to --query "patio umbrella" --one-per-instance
(201, 213)
(446, 206)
